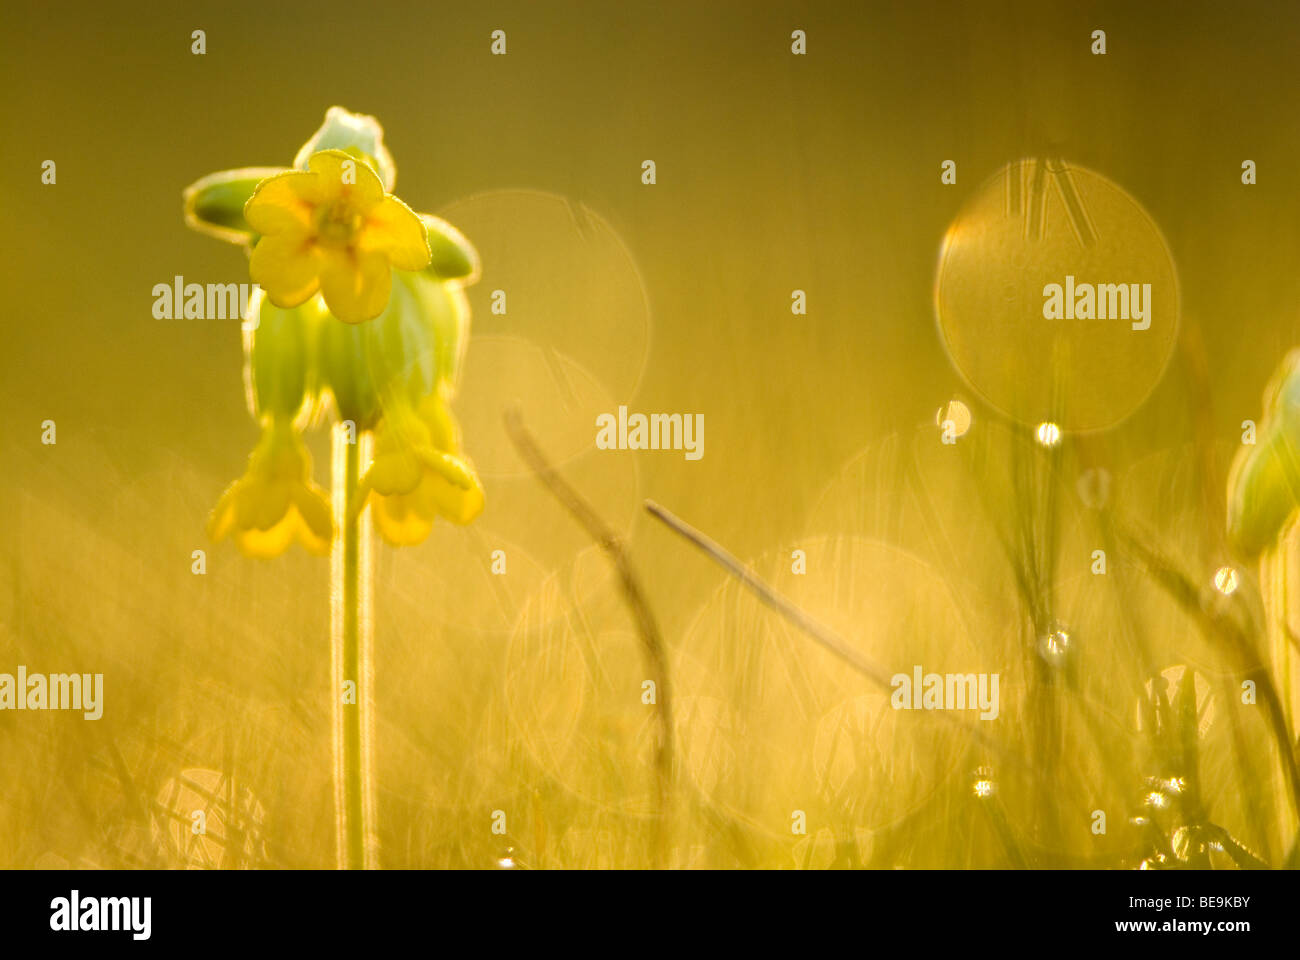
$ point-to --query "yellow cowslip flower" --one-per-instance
(332, 228)
(275, 502)
(418, 475)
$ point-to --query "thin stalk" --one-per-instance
(1282, 641)
(1279, 654)
(1250, 663)
(823, 635)
(352, 673)
(652, 645)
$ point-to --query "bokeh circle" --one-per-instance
(1035, 223)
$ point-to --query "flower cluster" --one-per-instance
(360, 315)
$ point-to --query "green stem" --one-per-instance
(1280, 657)
(351, 631)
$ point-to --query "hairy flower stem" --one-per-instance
(351, 635)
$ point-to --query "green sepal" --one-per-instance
(411, 350)
(279, 374)
(445, 311)
(401, 348)
(345, 371)
(215, 204)
(454, 257)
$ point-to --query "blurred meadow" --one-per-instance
(522, 692)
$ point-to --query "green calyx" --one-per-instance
(215, 204)
(303, 356)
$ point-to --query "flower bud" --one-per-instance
(1264, 486)
(454, 257)
(354, 133)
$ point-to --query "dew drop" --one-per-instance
(1048, 434)
(1055, 645)
(1157, 799)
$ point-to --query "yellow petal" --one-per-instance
(452, 469)
(403, 434)
(247, 505)
(457, 504)
(395, 230)
(364, 193)
(355, 286)
(222, 519)
(266, 544)
(317, 517)
(282, 203)
(287, 267)
(310, 539)
(394, 474)
(398, 524)
(396, 507)
(262, 505)
(444, 434)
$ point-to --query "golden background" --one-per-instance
(522, 693)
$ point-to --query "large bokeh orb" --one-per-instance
(1042, 222)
